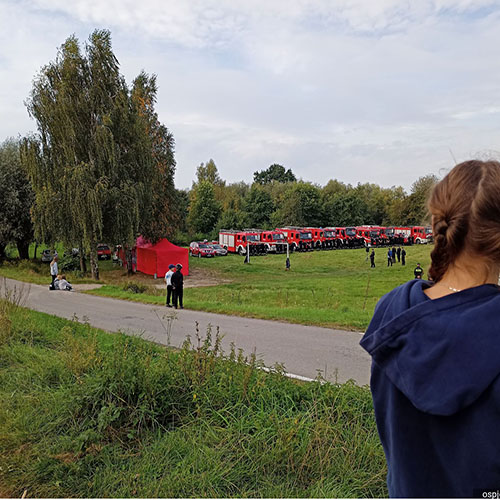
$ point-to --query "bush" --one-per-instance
(69, 263)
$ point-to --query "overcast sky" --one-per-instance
(359, 90)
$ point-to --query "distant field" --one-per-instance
(329, 288)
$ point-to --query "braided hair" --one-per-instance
(465, 208)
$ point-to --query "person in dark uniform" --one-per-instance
(403, 257)
(372, 258)
(418, 272)
(389, 257)
(398, 252)
(287, 264)
(177, 281)
(367, 254)
(394, 255)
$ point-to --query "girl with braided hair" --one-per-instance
(435, 347)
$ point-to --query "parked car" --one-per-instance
(219, 249)
(197, 249)
(103, 251)
(46, 255)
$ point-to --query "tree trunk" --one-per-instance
(23, 247)
(94, 264)
(83, 262)
(36, 248)
(128, 258)
(2, 252)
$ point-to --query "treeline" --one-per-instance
(277, 198)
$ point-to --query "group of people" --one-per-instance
(175, 286)
(392, 254)
(59, 281)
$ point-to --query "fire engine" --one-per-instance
(275, 241)
(298, 238)
(394, 235)
(371, 236)
(421, 234)
(237, 241)
(330, 238)
(348, 238)
(317, 236)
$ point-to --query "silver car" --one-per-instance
(220, 251)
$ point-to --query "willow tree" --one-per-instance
(91, 162)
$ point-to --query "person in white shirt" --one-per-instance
(62, 284)
(168, 277)
(54, 269)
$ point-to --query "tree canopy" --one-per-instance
(275, 172)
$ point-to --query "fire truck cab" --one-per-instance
(275, 241)
(299, 239)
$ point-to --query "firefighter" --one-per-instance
(177, 281)
(418, 272)
(287, 264)
(389, 257)
(394, 255)
(372, 258)
(403, 257)
(398, 251)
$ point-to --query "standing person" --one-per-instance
(54, 269)
(389, 257)
(398, 251)
(287, 264)
(168, 281)
(372, 258)
(435, 347)
(177, 281)
(418, 272)
(394, 255)
(367, 253)
(403, 257)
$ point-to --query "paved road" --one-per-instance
(302, 349)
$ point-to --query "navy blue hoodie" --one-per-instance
(436, 389)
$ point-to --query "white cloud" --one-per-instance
(364, 90)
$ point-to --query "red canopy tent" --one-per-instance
(155, 259)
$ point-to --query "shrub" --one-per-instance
(132, 287)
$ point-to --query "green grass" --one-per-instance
(90, 414)
(330, 288)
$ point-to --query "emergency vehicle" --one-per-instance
(299, 239)
(235, 241)
(275, 241)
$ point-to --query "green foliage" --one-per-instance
(301, 206)
(15, 201)
(258, 208)
(99, 150)
(133, 287)
(68, 263)
(416, 207)
(276, 173)
(204, 210)
(89, 414)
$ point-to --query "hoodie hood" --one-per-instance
(441, 354)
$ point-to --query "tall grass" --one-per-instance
(89, 414)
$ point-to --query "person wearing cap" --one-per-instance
(177, 281)
(168, 278)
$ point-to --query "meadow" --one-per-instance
(324, 288)
(328, 288)
(91, 414)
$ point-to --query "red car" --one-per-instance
(103, 252)
(201, 249)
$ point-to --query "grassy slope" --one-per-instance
(89, 414)
(334, 288)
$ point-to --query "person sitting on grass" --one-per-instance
(435, 349)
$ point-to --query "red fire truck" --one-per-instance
(299, 239)
(237, 241)
(348, 237)
(371, 236)
(395, 235)
(420, 234)
(275, 241)
(330, 238)
(317, 236)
